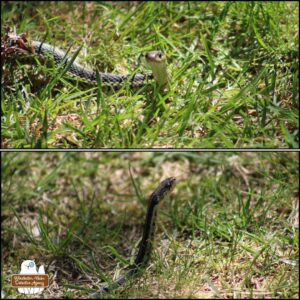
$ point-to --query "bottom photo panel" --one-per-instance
(149, 224)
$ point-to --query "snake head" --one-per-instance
(169, 183)
(155, 57)
(162, 190)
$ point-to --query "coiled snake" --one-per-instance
(145, 245)
(13, 43)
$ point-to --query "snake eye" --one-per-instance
(159, 55)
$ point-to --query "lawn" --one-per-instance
(230, 227)
(233, 68)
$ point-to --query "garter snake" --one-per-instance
(145, 245)
(157, 61)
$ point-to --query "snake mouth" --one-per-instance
(155, 57)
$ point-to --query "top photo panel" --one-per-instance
(122, 75)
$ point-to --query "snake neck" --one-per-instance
(147, 238)
(160, 74)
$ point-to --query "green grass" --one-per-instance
(229, 228)
(233, 65)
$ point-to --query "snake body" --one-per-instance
(13, 43)
(145, 245)
(107, 79)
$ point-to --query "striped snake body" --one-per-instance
(13, 43)
(145, 245)
(107, 79)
